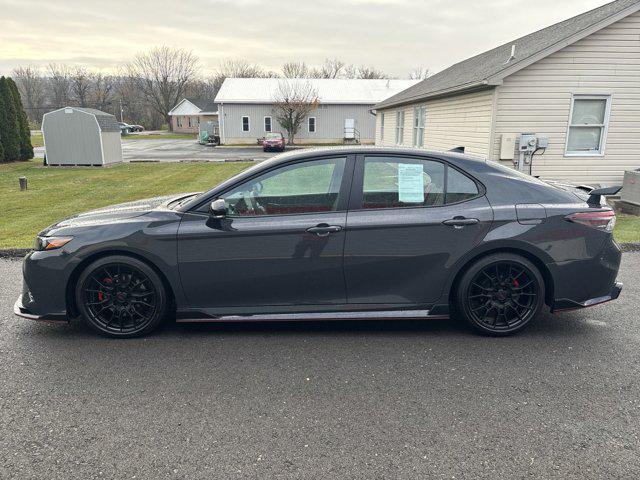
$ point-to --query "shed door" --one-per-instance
(349, 128)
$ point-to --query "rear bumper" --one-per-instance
(566, 304)
(21, 310)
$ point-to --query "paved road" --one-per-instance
(177, 150)
(334, 400)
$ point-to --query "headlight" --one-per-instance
(51, 243)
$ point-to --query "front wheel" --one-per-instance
(120, 296)
(500, 294)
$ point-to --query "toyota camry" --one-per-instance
(343, 233)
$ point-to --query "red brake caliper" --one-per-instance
(100, 294)
(516, 283)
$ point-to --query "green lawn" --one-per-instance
(627, 229)
(37, 140)
(57, 192)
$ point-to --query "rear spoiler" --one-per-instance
(596, 195)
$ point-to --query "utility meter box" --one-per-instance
(528, 142)
(508, 146)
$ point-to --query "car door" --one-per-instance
(410, 218)
(281, 242)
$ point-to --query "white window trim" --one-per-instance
(315, 125)
(264, 124)
(248, 123)
(605, 127)
(419, 113)
(400, 114)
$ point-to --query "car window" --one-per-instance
(402, 182)
(394, 182)
(459, 187)
(300, 188)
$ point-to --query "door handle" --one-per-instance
(323, 230)
(460, 222)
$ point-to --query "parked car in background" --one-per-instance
(125, 128)
(136, 128)
(273, 141)
(334, 233)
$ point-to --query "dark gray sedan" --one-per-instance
(346, 233)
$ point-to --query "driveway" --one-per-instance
(324, 400)
(177, 150)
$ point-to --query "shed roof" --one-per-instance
(329, 90)
(106, 121)
(489, 68)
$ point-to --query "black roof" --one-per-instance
(205, 105)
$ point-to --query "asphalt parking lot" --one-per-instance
(324, 400)
(181, 150)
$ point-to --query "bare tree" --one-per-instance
(294, 100)
(103, 92)
(32, 90)
(81, 82)
(331, 68)
(161, 75)
(295, 70)
(59, 84)
(238, 68)
(363, 72)
(419, 73)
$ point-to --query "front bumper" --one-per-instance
(566, 304)
(21, 310)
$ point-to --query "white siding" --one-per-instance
(538, 99)
(463, 120)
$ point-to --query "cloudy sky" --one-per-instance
(392, 35)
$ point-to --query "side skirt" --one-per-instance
(315, 316)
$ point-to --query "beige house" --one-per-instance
(189, 113)
(576, 84)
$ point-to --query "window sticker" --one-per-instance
(410, 183)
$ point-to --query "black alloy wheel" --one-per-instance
(121, 297)
(501, 294)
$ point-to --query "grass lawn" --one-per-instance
(37, 140)
(57, 192)
(627, 229)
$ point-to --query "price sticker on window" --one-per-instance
(410, 183)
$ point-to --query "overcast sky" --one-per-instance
(392, 35)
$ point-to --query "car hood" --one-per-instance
(116, 213)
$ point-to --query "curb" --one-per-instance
(13, 253)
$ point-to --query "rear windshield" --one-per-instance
(272, 136)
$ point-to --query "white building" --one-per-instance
(246, 112)
(576, 83)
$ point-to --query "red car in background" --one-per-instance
(273, 141)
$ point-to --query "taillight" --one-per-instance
(602, 220)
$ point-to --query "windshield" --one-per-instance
(273, 136)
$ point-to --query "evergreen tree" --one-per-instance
(1, 151)
(9, 128)
(26, 149)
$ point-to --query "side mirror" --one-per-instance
(218, 208)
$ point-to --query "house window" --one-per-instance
(245, 124)
(588, 123)
(312, 124)
(189, 121)
(399, 127)
(382, 126)
(267, 124)
(179, 122)
(418, 125)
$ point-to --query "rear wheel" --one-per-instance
(120, 296)
(500, 294)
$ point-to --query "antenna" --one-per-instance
(513, 54)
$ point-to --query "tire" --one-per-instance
(121, 297)
(500, 294)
